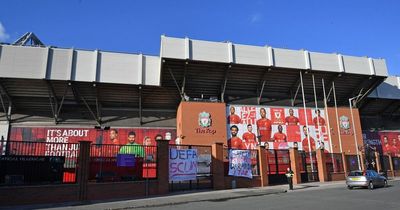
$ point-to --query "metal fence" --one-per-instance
(334, 162)
(26, 162)
(111, 163)
(385, 163)
(204, 170)
(278, 162)
(308, 166)
(352, 162)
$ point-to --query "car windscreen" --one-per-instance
(355, 173)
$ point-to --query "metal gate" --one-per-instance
(352, 163)
(334, 164)
(308, 167)
(204, 173)
(370, 159)
(278, 162)
(385, 164)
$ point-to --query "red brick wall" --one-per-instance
(242, 182)
(25, 195)
(119, 190)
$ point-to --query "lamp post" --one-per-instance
(354, 130)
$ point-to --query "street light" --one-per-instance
(354, 129)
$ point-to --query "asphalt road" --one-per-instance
(337, 198)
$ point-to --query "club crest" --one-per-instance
(205, 119)
(344, 122)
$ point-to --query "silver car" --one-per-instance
(369, 178)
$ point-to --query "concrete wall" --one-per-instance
(227, 52)
(78, 65)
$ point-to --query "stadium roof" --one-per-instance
(238, 73)
(67, 84)
(384, 100)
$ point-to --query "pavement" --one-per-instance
(189, 197)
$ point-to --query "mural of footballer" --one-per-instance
(318, 120)
(304, 142)
(280, 136)
(291, 119)
(249, 138)
(233, 118)
(235, 142)
(264, 127)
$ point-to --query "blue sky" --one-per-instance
(359, 27)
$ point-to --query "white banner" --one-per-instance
(240, 163)
(182, 164)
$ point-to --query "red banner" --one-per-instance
(278, 116)
(97, 136)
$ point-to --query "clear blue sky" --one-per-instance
(351, 27)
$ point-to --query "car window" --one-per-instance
(355, 173)
(372, 173)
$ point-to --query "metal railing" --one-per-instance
(352, 162)
(29, 162)
(334, 162)
(204, 169)
(385, 163)
(111, 163)
(308, 166)
(278, 161)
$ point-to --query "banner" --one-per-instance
(385, 142)
(182, 164)
(276, 127)
(126, 160)
(240, 163)
(116, 136)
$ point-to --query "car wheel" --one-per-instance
(371, 186)
(349, 187)
(385, 183)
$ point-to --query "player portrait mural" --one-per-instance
(276, 127)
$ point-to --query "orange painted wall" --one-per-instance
(348, 140)
(188, 123)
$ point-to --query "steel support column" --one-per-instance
(337, 118)
(328, 124)
(223, 86)
(315, 100)
(79, 97)
(295, 95)
(140, 105)
(98, 104)
(360, 101)
(262, 83)
(306, 118)
(176, 84)
(184, 82)
(7, 111)
(261, 92)
(354, 130)
(53, 100)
